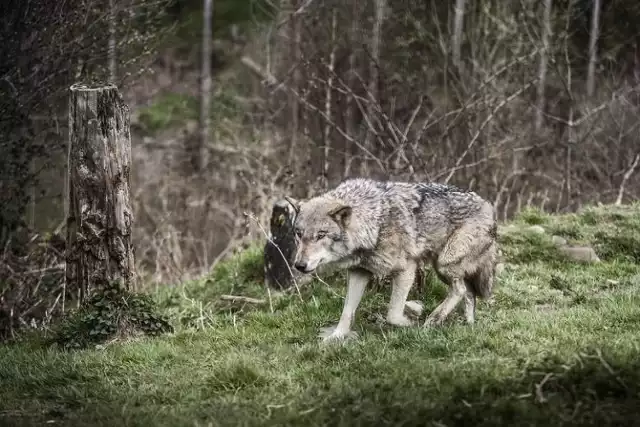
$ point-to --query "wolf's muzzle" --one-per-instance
(302, 266)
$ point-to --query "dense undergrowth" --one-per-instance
(558, 345)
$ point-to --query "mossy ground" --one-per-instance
(558, 345)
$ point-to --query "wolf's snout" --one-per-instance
(301, 266)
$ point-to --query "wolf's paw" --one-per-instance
(403, 321)
(330, 334)
(414, 308)
(432, 322)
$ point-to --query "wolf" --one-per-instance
(387, 229)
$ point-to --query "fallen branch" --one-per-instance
(236, 298)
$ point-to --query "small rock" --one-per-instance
(559, 241)
(415, 307)
(536, 229)
(581, 253)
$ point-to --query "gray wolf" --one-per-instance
(387, 229)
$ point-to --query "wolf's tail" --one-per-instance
(481, 282)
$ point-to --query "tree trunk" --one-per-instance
(456, 39)
(593, 45)
(326, 157)
(199, 154)
(376, 37)
(100, 218)
(544, 59)
(350, 117)
(295, 55)
(111, 55)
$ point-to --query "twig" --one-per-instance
(539, 394)
(53, 269)
(233, 242)
(626, 177)
(485, 123)
(272, 80)
(240, 298)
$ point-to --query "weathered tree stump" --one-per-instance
(279, 251)
(99, 218)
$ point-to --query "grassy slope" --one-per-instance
(558, 346)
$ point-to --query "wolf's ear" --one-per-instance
(341, 214)
(295, 204)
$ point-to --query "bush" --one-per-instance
(113, 314)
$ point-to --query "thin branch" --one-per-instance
(268, 77)
(485, 123)
(626, 177)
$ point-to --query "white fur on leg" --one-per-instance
(357, 282)
(415, 308)
(326, 333)
(470, 308)
(402, 283)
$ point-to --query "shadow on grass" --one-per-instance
(589, 391)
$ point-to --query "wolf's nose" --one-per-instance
(302, 266)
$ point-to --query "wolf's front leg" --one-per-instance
(357, 282)
(402, 282)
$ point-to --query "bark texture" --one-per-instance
(281, 248)
(100, 218)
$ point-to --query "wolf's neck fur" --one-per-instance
(368, 206)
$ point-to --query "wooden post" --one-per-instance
(279, 251)
(99, 216)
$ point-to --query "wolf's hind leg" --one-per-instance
(480, 283)
(402, 282)
(454, 296)
(357, 282)
(470, 307)
(453, 265)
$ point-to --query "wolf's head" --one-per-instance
(321, 231)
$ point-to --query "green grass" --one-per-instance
(558, 346)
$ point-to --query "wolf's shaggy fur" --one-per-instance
(381, 229)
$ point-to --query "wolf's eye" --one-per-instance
(298, 232)
(321, 235)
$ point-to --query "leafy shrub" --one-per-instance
(532, 216)
(622, 245)
(111, 314)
